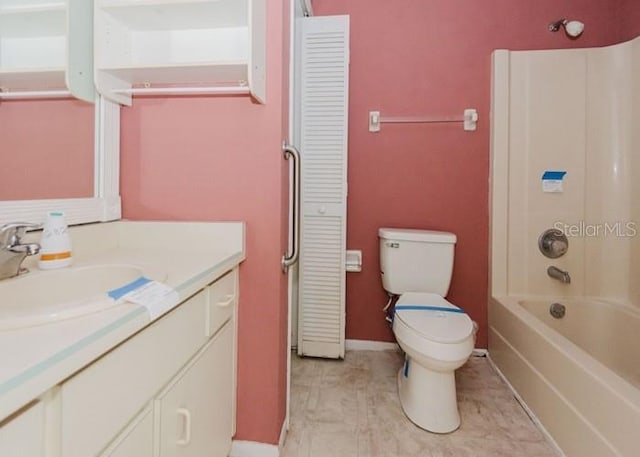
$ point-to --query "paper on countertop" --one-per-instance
(157, 297)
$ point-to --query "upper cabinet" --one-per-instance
(179, 47)
(46, 49)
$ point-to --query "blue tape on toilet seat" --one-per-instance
(428, 308)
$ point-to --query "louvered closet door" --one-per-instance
(323, 141)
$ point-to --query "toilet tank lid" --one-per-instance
(430, 236)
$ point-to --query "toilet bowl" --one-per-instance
(437, 338)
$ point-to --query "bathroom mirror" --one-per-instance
(58, 152)
(97, 198)
(47, 149)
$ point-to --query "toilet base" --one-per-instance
(428, 398)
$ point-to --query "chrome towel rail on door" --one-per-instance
(291, 258)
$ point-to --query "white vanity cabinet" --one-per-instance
(169, 387)
(136, 440)
(195, 411)
(122, 382)
(23, 434)
(45, 48)
(179, 47)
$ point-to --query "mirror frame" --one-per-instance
(105, 205)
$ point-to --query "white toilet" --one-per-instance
(436, 336)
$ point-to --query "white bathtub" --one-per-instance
(580, 375)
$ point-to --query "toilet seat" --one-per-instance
(433, 318)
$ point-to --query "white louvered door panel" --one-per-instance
(323, 141)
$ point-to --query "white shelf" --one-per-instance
(41, 21)
(173, 15)
(30, 79)
(178, 43)
(34, 53)
(188, 74)
(30, 5)
(43, 46)
(153, 48)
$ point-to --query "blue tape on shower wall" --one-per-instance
(120, 291)
(553, 175)
(428, 308)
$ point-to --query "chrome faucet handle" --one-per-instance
(12, 232)
(553, 243)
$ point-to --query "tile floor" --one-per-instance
(350, 408)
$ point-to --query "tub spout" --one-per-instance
(560, 275)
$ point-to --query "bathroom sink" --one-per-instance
(44, 297)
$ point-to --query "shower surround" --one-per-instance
(569, 111)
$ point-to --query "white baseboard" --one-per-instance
(283, 434)
(253, 449)
(241, 448)
(368, 345)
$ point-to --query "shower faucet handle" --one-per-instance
(553, 243)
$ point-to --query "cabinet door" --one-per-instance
(128, 377)
(195, 411)
(23, 434)
(136, 440)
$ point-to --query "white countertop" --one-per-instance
(34, 359)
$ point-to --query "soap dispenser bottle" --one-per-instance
(55, 245)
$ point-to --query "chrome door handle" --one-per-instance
(290, 258)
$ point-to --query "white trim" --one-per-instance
(77, 210)
(241, 448)
(499, 172)
(283, 432)
(526, 408)
(224, 90)
(26, 94)
(369, 345)
(295, 12)
(253, 449)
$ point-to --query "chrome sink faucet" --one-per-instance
(560, 275)
(12, 250)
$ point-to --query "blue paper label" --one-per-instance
(120, 291)
(553, 175)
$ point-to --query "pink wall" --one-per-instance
(47, 149)
(433, 57)
(219, 158)
(629, 19)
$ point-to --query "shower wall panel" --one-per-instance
(634, 270)
(572, 111)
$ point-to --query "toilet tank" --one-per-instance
(416, 260)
